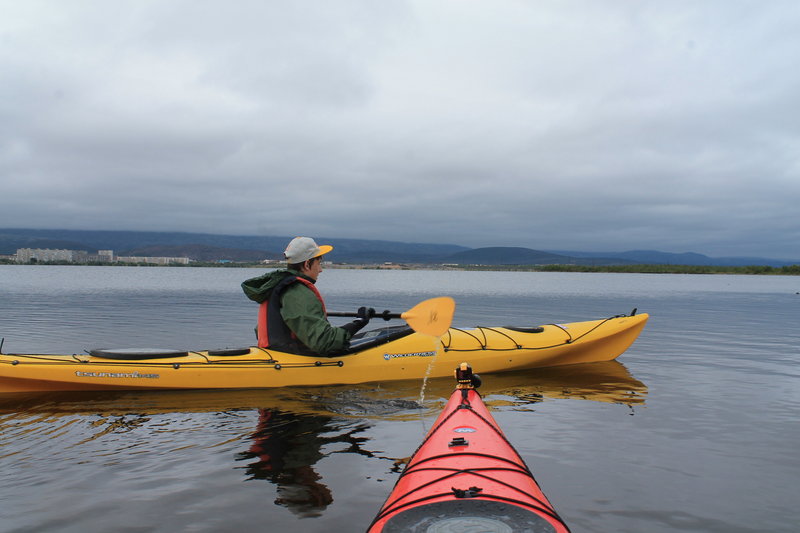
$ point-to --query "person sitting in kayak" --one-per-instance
(292, 314)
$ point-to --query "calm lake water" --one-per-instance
(695, 428)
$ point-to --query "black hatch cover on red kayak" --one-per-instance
(467, 515)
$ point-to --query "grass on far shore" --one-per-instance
(792, 270)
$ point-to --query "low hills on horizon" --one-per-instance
(242, 248)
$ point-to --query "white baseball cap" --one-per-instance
(302, 249)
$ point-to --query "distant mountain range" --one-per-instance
(525, 256)
(653, 257)
(209, 247)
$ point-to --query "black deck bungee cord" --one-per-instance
(48, 359)
(483, 346)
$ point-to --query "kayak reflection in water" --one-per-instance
(287, 446)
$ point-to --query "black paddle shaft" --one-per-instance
(386, 315)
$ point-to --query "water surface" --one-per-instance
(695, 428)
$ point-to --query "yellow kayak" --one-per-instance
(386, 354)
(605, 381)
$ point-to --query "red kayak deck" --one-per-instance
(464, 475)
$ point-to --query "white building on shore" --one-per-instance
(27, 255)
(47, 255)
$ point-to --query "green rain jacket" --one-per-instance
(301, 310)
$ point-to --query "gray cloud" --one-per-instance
(573, 125)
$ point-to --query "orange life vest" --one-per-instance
(271, 330)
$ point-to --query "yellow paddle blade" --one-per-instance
(431, 317)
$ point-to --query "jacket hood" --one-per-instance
(259, 289)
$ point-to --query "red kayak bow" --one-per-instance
(467, 475)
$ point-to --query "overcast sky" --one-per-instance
(557, 125)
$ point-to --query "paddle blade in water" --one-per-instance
(431, 317)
